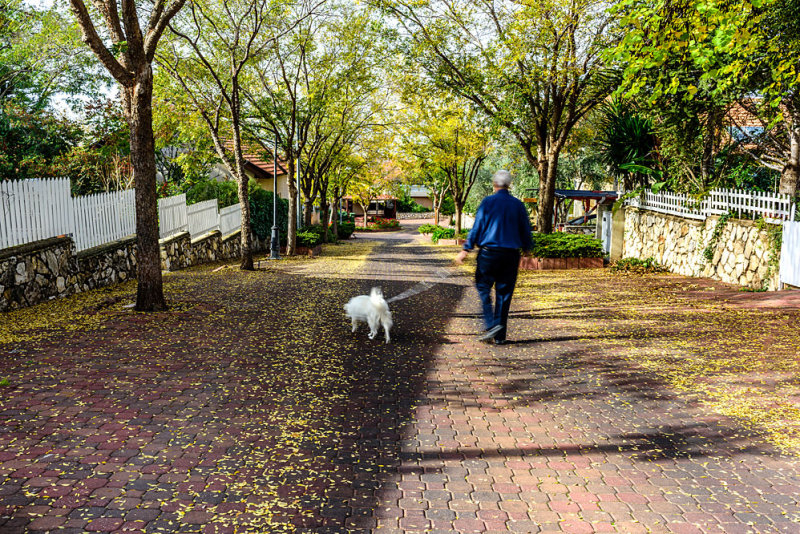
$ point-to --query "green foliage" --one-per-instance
(4, 383)
(32, 142)
(708, 252)
(447, 233)
(346, 229)
(406, 204)
(561, 245)
(317, 230)
(261, 207)
(226, 192)
(307, 238)
(637, 266)
(448, 206)
(626, 142)
(427, 228)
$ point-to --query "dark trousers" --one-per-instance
(498, 268)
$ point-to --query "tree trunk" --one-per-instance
(138, 104)
(308, 211)
(459, 207)
(291, 230)
(547, 192)
(336, 204)
(791, 171)
(324, 219)
(246, 239)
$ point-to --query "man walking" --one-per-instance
(501, 229)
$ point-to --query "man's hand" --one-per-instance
(460, 258)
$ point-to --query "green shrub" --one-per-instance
(442, 233)
(427, 228)
(637, 266)
(261, 213)
(226, 192)
(346, 229)
(307, 238)
(319, 231)
(561, 245)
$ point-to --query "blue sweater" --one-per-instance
(501, 222)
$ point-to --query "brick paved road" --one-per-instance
(203, 419)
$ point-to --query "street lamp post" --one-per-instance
(275, 242)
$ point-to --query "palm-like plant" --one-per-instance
(627, 144)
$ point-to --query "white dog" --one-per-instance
(371, 309)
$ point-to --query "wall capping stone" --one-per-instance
(34, 246)
(105, 248)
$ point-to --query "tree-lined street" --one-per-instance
(250, 407)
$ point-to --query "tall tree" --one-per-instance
(127, 52)
(315, 91)
(453, 141)
(747, 50)
(215, 43)
(534, 68)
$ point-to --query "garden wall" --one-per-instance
(740, 253)
(50, 268)
(423, 215)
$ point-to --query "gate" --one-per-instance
(790, 254)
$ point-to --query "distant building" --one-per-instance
(421, 195)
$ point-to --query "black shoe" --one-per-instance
(489, 334)
(501, 342)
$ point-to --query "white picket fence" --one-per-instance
(203, 217)
(103, 218)
(172, 216)
(230, 219)
(31, 210)
(774, 208)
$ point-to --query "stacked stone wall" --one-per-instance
(107, 264)
(409, 216)
(741, 254)
(47, 269)
(36, 272)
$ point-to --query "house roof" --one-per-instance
(256, 160)
(580, 194)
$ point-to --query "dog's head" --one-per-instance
(376, 292)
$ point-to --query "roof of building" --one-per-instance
(579, 194)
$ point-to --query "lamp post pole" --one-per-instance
(275, 242)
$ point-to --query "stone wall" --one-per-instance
(740, 256)
(107, 264)
(423, 215)
(50, 268)
(36, 272)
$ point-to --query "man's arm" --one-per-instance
(474, 234)
(525, 229)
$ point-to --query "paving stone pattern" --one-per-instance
(183, 422)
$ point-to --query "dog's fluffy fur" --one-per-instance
(371, 309)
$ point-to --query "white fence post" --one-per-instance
(172, 217)
(202, 217)
(230, 219)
